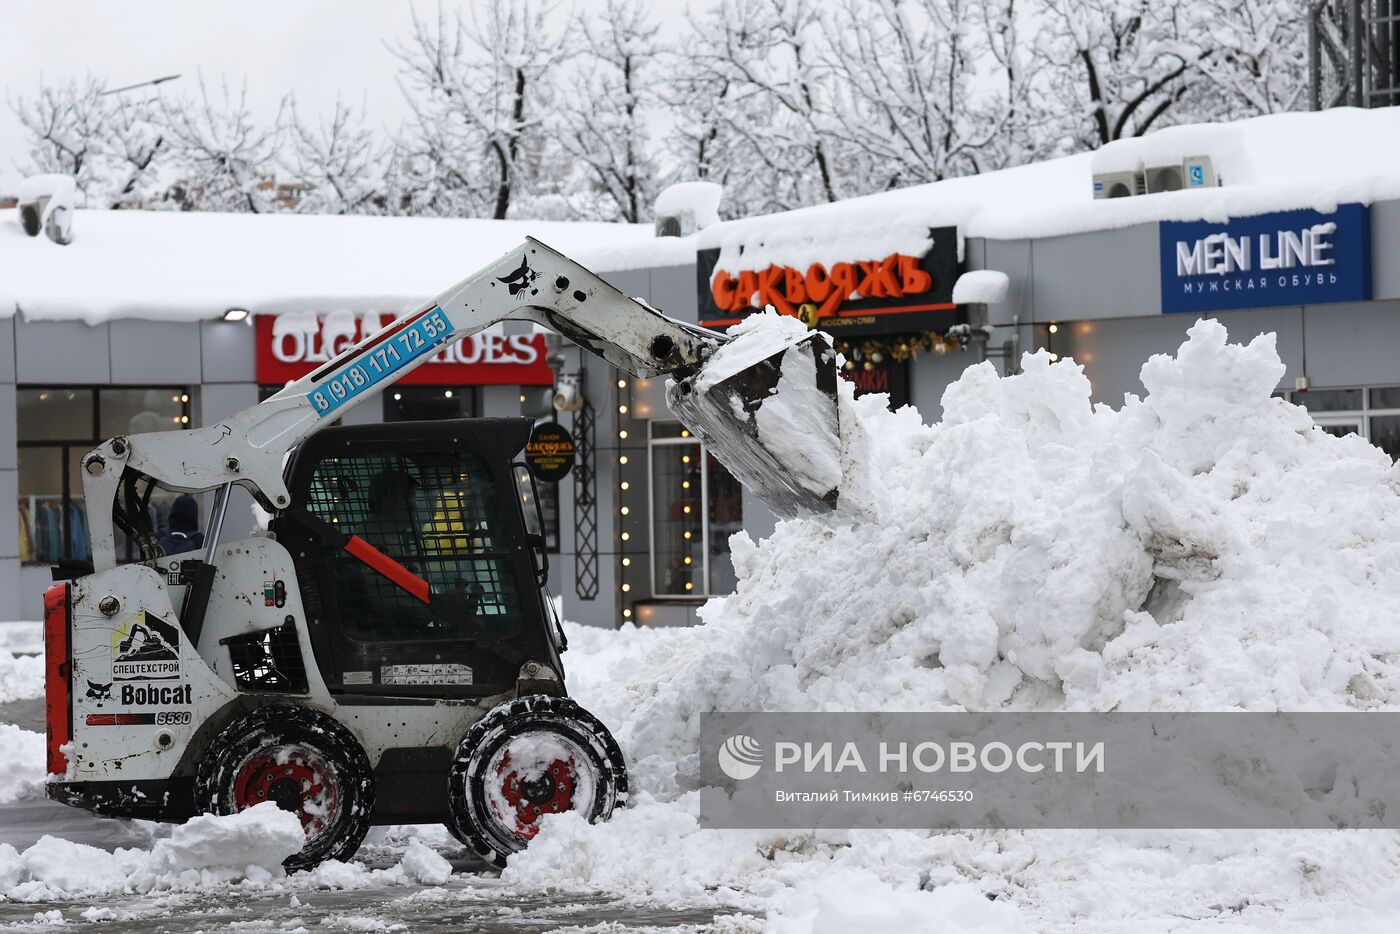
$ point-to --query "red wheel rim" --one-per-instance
(525, 795)
(295, 778)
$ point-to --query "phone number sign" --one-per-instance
(381, 360)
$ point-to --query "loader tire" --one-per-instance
(305, 762)
(566, 760)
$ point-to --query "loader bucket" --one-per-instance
(772, 420)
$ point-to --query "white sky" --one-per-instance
(317, 48)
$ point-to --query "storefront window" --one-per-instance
(1373, 413)
(695, 506)
(57, 426)
(426, 403)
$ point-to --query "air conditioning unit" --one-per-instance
(1118, 185)
(1191, 172)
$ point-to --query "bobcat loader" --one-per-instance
(386, 651)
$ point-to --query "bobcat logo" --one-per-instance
(99, 692)
(521, 278)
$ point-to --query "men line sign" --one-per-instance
(1284, 258)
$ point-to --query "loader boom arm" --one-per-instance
(530, 283)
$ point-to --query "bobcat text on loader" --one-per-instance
(386, 652)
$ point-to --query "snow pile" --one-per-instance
(981, 286)
(21, 676)
(25, 637)
(1203, 547)
(205, 852)
(21, 763)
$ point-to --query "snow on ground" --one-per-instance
(1204, 547)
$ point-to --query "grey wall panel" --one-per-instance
(60, 352)
(7, 349)
(155, 352)
(1111, 273)
(228, 352)
(1352, 343)
(630, 281)
(673, 290)
(9, 528)
(759, 520)
(500, 401)
(31, 582)
(929, 375)
(1012, 257)
(220, 400)
(9, 423)
(12, 602)
(1385, 254)
(1112, 352)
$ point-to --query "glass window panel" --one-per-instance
(726, 515)
(129, 411)
(677, 534)
(41, 510)
(1342, 430)
(1385, 434)
(426, 403)
(54, 414)
(669, 430)
(1385, 397)
(1329, 400)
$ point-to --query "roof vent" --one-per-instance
(46, 203)
(686, 207)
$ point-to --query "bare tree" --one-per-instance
(136, 143)
(479, 90)
(339, 159)
(605, 125)
(1260, 59)
(66, 125)
(905, 90)
(225, 158)
(1120, 68)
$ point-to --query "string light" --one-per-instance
(625, 485)
(689, 585)
(1054, 357)
(687, 510)
(688, 559)
(684, 433)
(447, 394)
(184, 397)
(626, 588)
(1054, 329)
(626, 536)
(627, 614)
(622, 434)
(622, 384)
(627, 562)
(687, 534)
(685, 458)
(624, 510)
(622, 459)
(685, 484)
(622, 409)
(184, 419)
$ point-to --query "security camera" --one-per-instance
(568, 397)
(46, 203)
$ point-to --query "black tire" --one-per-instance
(481, 784)
(242, 769)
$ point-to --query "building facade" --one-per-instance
(639, 529)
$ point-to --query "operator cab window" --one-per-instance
(435, 513)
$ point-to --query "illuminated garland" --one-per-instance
(872, 352)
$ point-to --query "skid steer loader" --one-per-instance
(386, 651)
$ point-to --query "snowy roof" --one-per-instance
(1279, 162)
(189, 266)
